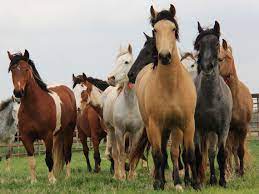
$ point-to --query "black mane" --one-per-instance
(15, 60)
(204, 33)
(102, 85)
(166, 15)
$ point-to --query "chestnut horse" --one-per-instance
(242, 107)
(47, 114)
(167, 99)
(89, 121)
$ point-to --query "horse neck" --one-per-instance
(129, 94)
(210, 84)
(233, 80)
(96, 96)
(167, 74)
(33, 94)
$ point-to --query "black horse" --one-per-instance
(214, 105)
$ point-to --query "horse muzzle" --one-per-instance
(165, 58)
(111, 80)
(18, 93)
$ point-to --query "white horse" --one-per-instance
(121, 113)
(8, 125)
(189, 61)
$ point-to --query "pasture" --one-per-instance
(81, 181)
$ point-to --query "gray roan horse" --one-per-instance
(214, 105)
(8, 125)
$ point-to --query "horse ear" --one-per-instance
(200, 28)
(147, 37)
(153, 12)
(130, 49)
(172, 10)
(26, 54)
(10, 55)
(84, 76)
(74, 78)
(224, 44)
(217, 27)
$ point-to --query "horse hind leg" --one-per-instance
(108, 151)
(8, 158)
(97, 157)
(121, 153)
(68, 141)
(49, 160)
(177, 139)
(83, 139)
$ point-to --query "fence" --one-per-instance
(19, 150)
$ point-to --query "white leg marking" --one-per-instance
(32, 166)
(51, 177)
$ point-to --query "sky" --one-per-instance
(65, 36)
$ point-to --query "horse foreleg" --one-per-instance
(8, 158)
(49, 159)
(28, 144)
(188, 136)
(177, 139)
(222, 163)
(108, 151)
(155, 138)
(68, 141)
(121, 153)
(212, 139)
(114, 154)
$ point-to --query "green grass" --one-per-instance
(82, 181)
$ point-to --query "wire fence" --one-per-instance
(18, 149)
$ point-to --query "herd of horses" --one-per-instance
(196, 99)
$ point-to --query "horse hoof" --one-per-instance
(33, 181)
(213, 180)
(158, 185)
(187, 181)
(52, 180)
(96, 170)
(196, 186)
(179, 188)
(223, 183)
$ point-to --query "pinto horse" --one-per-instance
(167, 98)
(242, 107)
(214, 105)
(89, 121)
(47, 114)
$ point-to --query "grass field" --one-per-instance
(82, 181)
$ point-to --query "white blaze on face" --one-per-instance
(79, 88)
(58, 103)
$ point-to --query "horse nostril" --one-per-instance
(111, 78)
(165, 58)
(130, 74)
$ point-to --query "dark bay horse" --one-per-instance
(214, 105)
(165, 107)
(47, 114)
(89, 122)
(242, 108)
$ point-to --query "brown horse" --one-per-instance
(242, 107)
(47, 114)
(89, 122)
(167, 99)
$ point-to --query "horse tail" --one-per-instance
(58, 153)
(139, 148)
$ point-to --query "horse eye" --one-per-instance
(126, 62)
(174, 30)
(154, 30)
(220, 60)
(192, 65)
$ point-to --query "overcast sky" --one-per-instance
(65, 36)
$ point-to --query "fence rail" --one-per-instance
(19, 150)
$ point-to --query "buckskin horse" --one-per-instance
(214, 105)
(167, 99)
(89, 121)
(47, 114)
(242, 108)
